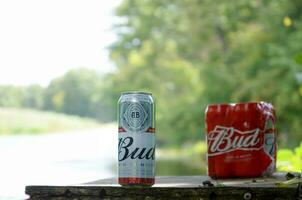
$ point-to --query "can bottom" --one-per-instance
(128, 181)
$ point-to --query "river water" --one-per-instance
(67, 158)
(57, 158)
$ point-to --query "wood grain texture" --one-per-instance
(172, 187)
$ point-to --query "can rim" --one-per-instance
(136, 92)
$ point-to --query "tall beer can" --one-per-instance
(136, 139)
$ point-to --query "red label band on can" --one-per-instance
(241, 140)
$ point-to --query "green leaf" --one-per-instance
(284, 154)
(298, 58)
(298, 151)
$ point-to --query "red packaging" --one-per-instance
(241, 140)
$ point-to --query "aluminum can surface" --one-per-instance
(241, 140)
(136, 139)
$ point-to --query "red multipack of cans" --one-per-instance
(241, 140)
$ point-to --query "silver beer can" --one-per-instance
(136, 139)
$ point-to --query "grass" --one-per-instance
(26, 121)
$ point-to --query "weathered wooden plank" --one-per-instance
(188, 187)
(167, 193)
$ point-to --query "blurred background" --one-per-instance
(63, 65)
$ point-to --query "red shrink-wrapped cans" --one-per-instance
(241, 140)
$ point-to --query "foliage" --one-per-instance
(189, 54)
(11, 96)
(78, 92)
(290, 160)
(33, 97)
(22, 121)
(73, 93)
(192, 53)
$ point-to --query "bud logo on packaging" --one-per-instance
(226, 139)
(241, 140)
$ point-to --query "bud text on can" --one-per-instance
(136, 139)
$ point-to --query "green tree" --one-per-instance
(11, 96)
(191, 53)
(78, 92)
(33, 97)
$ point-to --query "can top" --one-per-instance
(136, 92)
(240, 103)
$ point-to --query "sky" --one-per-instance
(41, 40)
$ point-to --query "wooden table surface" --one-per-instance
(173, 187)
